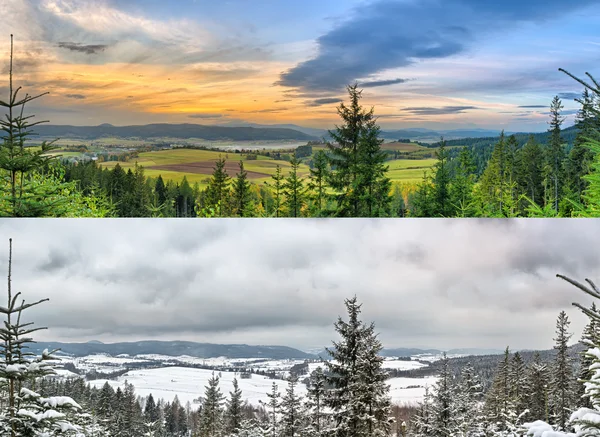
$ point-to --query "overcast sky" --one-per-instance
(425, 283)
(422, 63)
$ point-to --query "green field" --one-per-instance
(197, 166)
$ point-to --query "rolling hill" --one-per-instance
(174, 348)
(166, 130)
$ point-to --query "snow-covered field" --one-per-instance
(188, 383)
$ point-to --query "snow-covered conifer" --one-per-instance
(26, 412)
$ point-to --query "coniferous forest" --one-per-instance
(557, 175)
(347, 396)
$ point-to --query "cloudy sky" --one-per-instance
(422, 63)
(425, 283)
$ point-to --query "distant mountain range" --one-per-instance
(165, 130)
(240, 132)
(209, 350)
(174, 349)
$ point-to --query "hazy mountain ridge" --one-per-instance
(240, 131)
(175, 348)
(166, 130)
(210, 350)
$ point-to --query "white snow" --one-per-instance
(188, 384)
(401, 394)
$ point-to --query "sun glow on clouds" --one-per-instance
(97, 59)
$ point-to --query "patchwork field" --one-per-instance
(197, 166)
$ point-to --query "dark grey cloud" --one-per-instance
(439, 111)
(378, 83)
(444, 283)
(75, 96)
(88, 49)
(533, 106)
(325, 101)
(569, 96)
(386, 34)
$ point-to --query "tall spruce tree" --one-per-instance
(218, 190)
(555, 155)
(293, 188)
(562, 375)
(273, 407)
(277, 187)
(292, 411)
(233, 414)
(241, 193)
(316, 392)
(530, 176)
(352, 373)
(442, 202)
(468, 394)
(355, 141)
(212, 409)
(319, 174)
(444, 409)
(538, 376)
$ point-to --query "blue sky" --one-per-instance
(423, 63)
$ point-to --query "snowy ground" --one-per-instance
(188, 383)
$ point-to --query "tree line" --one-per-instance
(349, 179)
(347, 398)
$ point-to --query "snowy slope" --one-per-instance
(188, 384)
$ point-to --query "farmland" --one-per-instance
(197, 165)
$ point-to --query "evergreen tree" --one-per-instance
(212, 409)
(277, 187)
(461, 190)
(359, 185)
(530, 173)
(292, 414)
(273, 407)
(443, 409)
(218, 189)
(318, 182)
(27, 413)
(590, 338)
(441, 183)
(468, 414)
(423, 421)
(233, 413)
(294, 191)
(499, 406)
(555, 155)
(562, 375)
(241, 193)
(25, 189)
(316, 390)
(373, 185)
(519, 389)
(580, 158)
(538, 378)
(351, 378)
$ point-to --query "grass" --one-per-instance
(260, 170)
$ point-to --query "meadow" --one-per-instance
(197, 165)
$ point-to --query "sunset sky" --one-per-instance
(422, 63)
